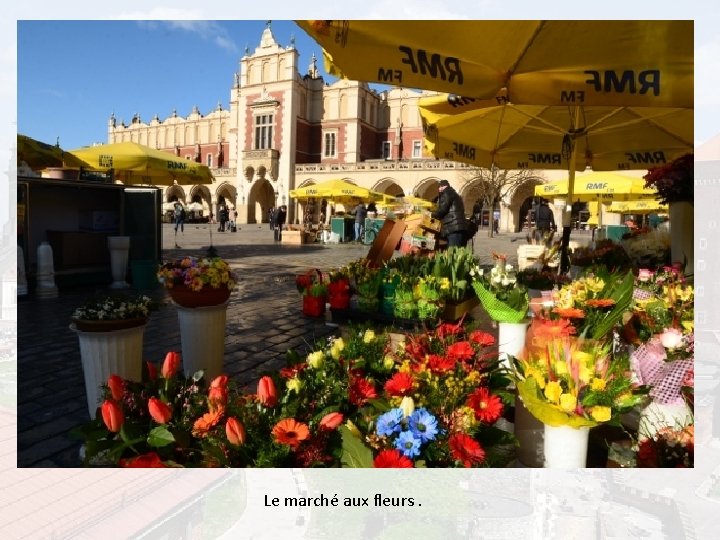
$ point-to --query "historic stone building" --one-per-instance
(285, 130)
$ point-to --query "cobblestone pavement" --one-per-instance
(264, 320)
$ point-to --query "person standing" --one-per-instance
(544, 221)
(280, 217)
(360, 212)
(271, 218)
(451, 211)
(223, 218)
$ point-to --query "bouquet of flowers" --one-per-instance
(605, 253)
(647, 248)
(596, 302)
(115, 307)
(673, 181)
(504, 299)
(196, 273)
(568, 381)
(453, 267)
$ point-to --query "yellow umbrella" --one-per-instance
(597, 186)
(336, 190)
(134, 163)
(640, 206)
(630, 63)
(39, 155)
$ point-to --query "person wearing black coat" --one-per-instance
(279, 222)
(451, 211)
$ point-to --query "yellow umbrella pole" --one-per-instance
(564, 245)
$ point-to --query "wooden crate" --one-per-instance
(293, 237)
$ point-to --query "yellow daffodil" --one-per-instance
(585, 374)
(598, 384)
(561, 367)
(594, 284)
(369, 336)
(388, 362)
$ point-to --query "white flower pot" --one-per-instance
(657, 416)
(511, 340)
(119, 247)
(565, 447)
(118, 352)
(202, 336)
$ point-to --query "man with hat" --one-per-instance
(451, 211)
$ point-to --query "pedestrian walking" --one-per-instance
(179, 215)
(451, 211)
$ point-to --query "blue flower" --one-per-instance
(408, 444)
(390, 422)
(423, 425)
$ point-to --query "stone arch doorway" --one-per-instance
(175, 193)
(427, 188)
(521, 203)
(260, 200)
(389, 187)
(226, 198)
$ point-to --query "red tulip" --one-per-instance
(117, 387)
(159, 411)
(152, 370)
(331, 421)
(235, 431)
(171, 364)
(112, 415)
(266, 392)
(220, 381)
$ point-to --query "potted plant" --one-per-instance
(110, 333)
(200, 286)
(339, 289)
(197, 281)
(314, 292)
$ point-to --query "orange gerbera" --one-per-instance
(600, 302)
(549, 329)
(291, 432)
(203, 424)
(570, 313)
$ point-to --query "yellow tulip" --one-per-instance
(316, 359)
(407, 405)
(294, 385)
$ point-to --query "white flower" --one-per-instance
(671, 338)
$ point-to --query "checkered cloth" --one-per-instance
(642, 294)
(649, 365)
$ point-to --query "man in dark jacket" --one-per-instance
(280, 216)
(451, 211)
(544, 220)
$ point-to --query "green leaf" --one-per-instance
(354, 452)
(160, 436)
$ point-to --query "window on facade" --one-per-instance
(417, 149)
(209, 160)
(386, 149)
(263, 132)
(330, 144)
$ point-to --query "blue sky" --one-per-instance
(95, 68)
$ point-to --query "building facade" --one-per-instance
(284, 130)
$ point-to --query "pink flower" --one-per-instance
(644, 275)
(331, 421)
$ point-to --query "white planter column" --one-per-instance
(202, 336)
(119, 247)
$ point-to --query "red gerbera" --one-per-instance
(399, 384)
(482, 338)
(462, 350)
(392, 459)
(465, 449)
(487, 406)
(361, 390)
(415, 349)
(441, 364)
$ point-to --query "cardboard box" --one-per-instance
(293, 237)
(99, 220)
